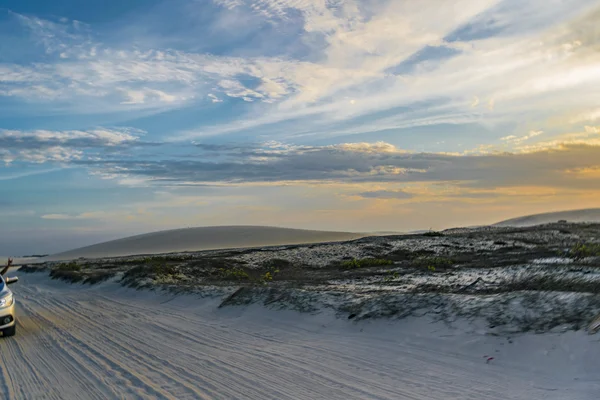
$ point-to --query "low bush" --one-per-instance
(71, 266)
(433, 263)
(582, 250)
(234, 273)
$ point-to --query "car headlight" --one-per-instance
(7, 301)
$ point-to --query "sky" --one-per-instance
(124, 117)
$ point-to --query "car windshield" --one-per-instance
(1, 283)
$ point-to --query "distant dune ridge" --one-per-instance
(230, 237)
(584, 215)
(203, 238)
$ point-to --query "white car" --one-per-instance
(8, 324)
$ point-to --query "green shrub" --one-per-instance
(433, 263)
(235, 273)
(66, 275)
(392, 276)
(582, 250)
(71, 266)
(98, 276)
(267, 277)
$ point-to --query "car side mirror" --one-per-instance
(10, 281)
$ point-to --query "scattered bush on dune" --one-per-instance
(433, 234)
(66, 275)
(433, 263)
(98, 276)
(32, 268)
(71, 266)
(582, 250)
(234, 273)
(70, 272)
(153, 269)
(73, 273)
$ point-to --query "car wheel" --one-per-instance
(10, 331)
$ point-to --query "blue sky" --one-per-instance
(122, 117)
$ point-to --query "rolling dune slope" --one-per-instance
(584, 215)
(203, 238)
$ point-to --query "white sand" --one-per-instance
(204, 238)
(108, 342)
(585, 215)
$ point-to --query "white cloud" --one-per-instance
(230, 4)
(541, 66)
(99, 137)
(518, 140)
(529, 72)
(41, 146)
(146, 95)
(588, 116)
(86, 215)
(50, 154)
(592, 129)
(24, 174)
(214, 98)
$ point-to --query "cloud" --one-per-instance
(93, 215)
(39, 146)
(145, 95)
(75, 138)
(518, 140)
(359, 163)
(24, 174)
(492, 62)
(214, 98)
(386, 194)
(589, 137)
(502, 71)
(587, 116)
(592, 129)
(351, 67)
(63, 37)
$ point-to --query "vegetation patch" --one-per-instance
(72, 272)
(502, 274)
(97, 276)
(157, 271)
(234, 273)
(582, 250)
(434, 263)
(27, 269)
(71, 266)
(66, 275)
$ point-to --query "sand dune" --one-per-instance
(106, 342)
(584, 215)
(203, 238)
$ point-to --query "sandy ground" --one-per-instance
(203, 238)
(583, 215)
(111, 342)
